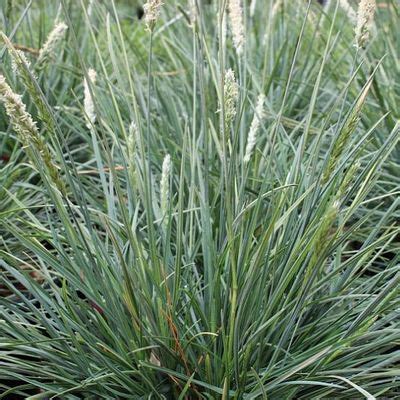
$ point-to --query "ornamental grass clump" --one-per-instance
(229, 223)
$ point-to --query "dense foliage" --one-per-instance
(195, 208)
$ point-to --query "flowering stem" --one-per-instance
(148, 185)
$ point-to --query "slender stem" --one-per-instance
(148, 180)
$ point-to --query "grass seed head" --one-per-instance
(20, 119)
(22, 59)
(324, 232)
(56, 35)
(345, 133)
(348, 178)
(254, 127)
(151, 13)
(365, 19)
(164, 184)
(88, 99)
(237, 24)
(27, 130)
(231, 96)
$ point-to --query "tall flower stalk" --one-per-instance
(152, 11)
